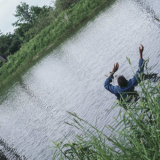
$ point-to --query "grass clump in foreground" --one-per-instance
(138, 138)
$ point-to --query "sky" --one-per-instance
(8, 8)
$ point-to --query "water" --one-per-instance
(71, 77)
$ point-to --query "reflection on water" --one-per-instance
(150, 7)
(8, 153)
(71, 78)
(152, 77)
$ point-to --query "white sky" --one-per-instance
(8, 8)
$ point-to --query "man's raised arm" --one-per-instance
(107, 84)
(136, 78)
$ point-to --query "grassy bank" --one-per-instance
(135, 137)
(49, 36)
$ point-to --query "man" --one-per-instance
(125, 87)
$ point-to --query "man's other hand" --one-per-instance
(115, 68)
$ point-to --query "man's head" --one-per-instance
(122, 82)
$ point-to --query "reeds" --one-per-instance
(138, 138)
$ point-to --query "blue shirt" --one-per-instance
(117, 90)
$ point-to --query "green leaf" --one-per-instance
(128, 60)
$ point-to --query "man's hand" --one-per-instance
(141, 48)
(115, 68)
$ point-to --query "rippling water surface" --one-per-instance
(71, 77)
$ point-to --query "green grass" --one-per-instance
(138, 138)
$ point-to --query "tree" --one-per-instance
(9, 44)
(30, 21)
(22, 13)
(29, 15)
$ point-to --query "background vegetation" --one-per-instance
(38, 29)
(27, 17)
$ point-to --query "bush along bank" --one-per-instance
(65, 22)
(136, 136)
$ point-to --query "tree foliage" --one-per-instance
(9, 44)
(27, 17)
(26, 14)
(30, 21)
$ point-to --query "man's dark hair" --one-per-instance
(122, 82)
